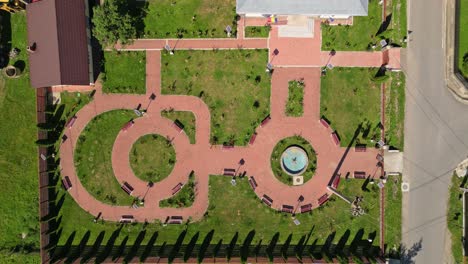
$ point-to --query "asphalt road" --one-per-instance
(436, 136)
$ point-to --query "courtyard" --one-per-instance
(198, 163)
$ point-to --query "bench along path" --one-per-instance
(204, 159)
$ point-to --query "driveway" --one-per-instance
(436, 135)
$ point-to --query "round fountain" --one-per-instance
(294, 161)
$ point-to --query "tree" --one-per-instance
(113, 23)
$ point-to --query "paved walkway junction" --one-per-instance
(297, 58)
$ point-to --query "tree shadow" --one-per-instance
(271, 247)
(342, 242)
(384, 26)
(20, 65)
(217, 248)
(66, 247)
(5, 38)
(77, 252)
(285, 247)
(138, 10)
(365, 184)
(109, 245)
(244, 252)
(162, 249)
(231, 246)
(149, 246)
(135, 246)
(204, 246)
(408, 254)
(120, 249)
(328, 244)
(356, 241)
(175, 249)
(313, 252)
(257, 249)
(190, 246)
(95, 248)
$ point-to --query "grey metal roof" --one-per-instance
(304, 7)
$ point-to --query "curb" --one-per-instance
(455, 82)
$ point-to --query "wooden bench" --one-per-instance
(177, 188)
(267, 200)
(70, 122)
(252, 138)
(359, 174)
(336, 181)
(127, 219)
(127, 188)
(306, 208)
(323, 199)
(66, 183)
(335, 138)
(287, 208)
(324, 123)
(178, 125)
(175, 220)
(229, 172)
(128, 125)
(265, 120)
(253, 183)
(360, 148)
(228, 147)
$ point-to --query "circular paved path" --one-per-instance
(205, 159)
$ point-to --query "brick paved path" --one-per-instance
(205, 159)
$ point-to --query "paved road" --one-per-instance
(436, 135)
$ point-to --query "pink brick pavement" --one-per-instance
(205, 159)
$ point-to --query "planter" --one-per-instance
(11, 71)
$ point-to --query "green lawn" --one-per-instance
(152, 158)
(187, 119)
(257, 31)
(189, 18)
(295, 103)
(393, 204)
(184, 198)
(363, 33)
(124, 72)
(281, 147)
(233, 84)
(455, 217)
(395, 110)
(349, 98)
(19, 210)
(463, 38)
(236, 209)
(93, 157)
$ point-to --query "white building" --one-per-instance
(340, 9)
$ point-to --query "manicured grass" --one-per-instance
(233, 84)
(152, 158)
(349, 98)
(395, 110)
(257, 31)
(295, 103)
(463, 38)
(125, 72)
(189, 18)
(187, 119)
(281, 147)
(455, 217)
(393, 204)
(19, 212)
(184, 198)
(236, 209)
(93, 157)
(363, 33)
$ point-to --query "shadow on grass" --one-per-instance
(135, 246)
(149, 246)
(177, 245)
(244, 252)
(109, 245)
(5, 38)
(190, 246)
(231, 246)
(204, 246)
